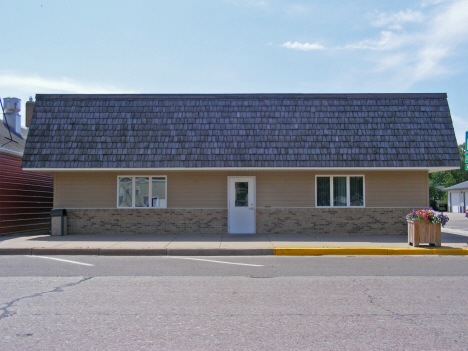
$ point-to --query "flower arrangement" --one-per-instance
(428, 213)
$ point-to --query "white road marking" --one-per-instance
(58, 259)
(199, 259)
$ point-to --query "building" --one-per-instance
(457, 196)
(250, 163)
(25, 197)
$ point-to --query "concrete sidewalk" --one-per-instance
(453, 242)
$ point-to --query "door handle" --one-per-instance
(251, 208)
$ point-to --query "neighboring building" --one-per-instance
(25, 197)
(457, 196)
(250, 163)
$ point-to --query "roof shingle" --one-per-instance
(251, 130)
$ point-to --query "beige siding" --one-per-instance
(275, 189)
(397, 189)
(197, 190)
(285, 189)
(85, 190)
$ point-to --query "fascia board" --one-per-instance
(430, 169)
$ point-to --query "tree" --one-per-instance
(447, 178)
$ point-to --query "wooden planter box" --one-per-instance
(422, 231)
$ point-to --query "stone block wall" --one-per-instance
(147, 221)
(361, 221)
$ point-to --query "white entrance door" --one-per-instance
(241, 205)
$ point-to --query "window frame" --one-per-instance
(348, 189)
(150, 188)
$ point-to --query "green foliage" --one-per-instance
(447, 178)
(437, 193)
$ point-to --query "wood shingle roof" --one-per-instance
(249, 130)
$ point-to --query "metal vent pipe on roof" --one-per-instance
(12, 105)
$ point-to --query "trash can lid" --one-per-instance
(58, 212)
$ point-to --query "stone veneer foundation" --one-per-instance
(147, 221)
(365, 221)
(361, 221)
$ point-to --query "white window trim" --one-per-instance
(150, 189)
(348, 190)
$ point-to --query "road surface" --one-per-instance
(233, 303)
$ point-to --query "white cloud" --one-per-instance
(388, 41)
(426, 3)
(413, 45)
(396, 19)
(44, 85)
(422, 53)
(446, 31)
(303, 46)
(415, 55)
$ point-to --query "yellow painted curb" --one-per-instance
(318, 251)
(428, 251)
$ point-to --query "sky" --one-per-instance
(236, 46)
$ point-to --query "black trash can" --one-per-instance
(58, 225)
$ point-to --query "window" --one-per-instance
(339, 191)
(141, 192)
(242, 194)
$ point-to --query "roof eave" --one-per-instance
(354, 169)
(11, 152)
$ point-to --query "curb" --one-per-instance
(15, 251)
(288, 251)
(72, 252)
(132, 252)
(137, 252)
(219, 252)
(367, 251)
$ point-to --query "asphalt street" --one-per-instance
(209, 266)
(233, 303)
(458, 223)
